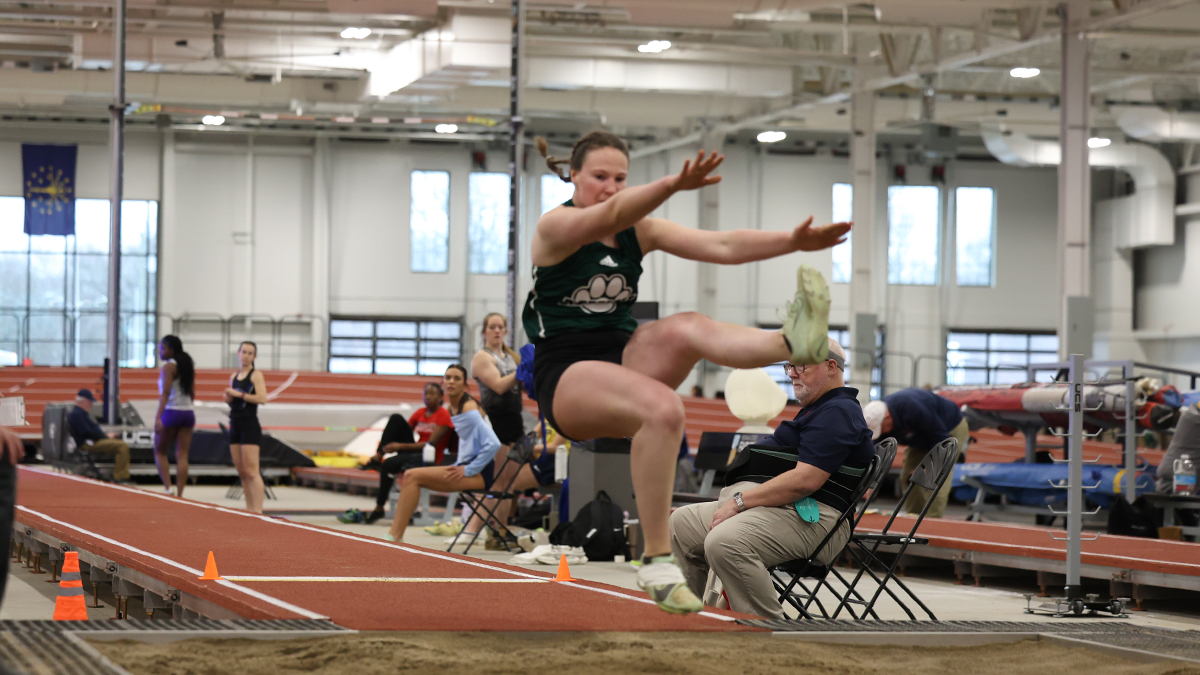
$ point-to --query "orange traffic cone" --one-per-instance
(70, 605)
(564, 570)
(210, 569)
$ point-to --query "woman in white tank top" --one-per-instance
(175, 420)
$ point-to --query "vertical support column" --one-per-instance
(516, 159)
(709, 218)
(1130, 486)
(1075, 479)
(1074, 184)
(319, 276)
(862, 163)
(116, 147)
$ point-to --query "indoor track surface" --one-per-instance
(276, 569)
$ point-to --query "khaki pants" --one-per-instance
(120, 452)
(741, 549)
(919, 495)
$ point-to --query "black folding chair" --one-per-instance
(476, 500)
(885, 455)
(787, 576)
(933, 471)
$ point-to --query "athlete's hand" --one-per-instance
(808, 238)
(695, 172)
(456, 472)
(11, 446)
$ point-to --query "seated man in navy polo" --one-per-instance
(89, 437)
(763, 518)
(918, 419)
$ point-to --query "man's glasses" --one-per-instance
(793, 370)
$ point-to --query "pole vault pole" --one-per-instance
(516, 158)
(116, 144)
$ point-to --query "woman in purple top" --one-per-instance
(175, 420)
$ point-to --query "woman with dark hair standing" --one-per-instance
(246, 391)
(477, 446)
(597, 374)
(175, 419)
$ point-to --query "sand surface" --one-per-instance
(604, 654)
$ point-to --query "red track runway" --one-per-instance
(169, 539)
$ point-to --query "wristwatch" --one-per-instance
(737, 499)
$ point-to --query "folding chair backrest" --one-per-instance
(885, 453)
(859, 490)
(929, 474)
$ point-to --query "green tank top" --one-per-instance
(593, 289)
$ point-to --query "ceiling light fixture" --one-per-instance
(654, 46)
(771, 136)
(355, 33)
(212, 120)
(446, 128)
(1095, 142)
(1025, 73)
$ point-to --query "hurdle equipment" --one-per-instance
(210, 569)
(69, 605)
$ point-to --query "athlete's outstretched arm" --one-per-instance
(563, 231)
(736, 246)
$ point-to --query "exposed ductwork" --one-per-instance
(1149, 123)
(1145, 218)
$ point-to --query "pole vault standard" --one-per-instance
(116, 143)
(516, 158)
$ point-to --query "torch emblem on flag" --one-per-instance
(49, 189)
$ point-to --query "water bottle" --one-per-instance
(560, 463)
(1185, 476)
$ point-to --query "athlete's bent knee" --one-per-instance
(666, 412)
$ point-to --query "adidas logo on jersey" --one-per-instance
(607, 261)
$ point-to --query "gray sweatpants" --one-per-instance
(741, 549)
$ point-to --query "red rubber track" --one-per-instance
(173, 538)
(1129, 553)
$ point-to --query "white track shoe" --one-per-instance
(663, 581)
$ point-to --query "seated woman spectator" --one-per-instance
(430, 425)
(477, 446)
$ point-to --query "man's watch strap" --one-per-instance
(737, 499)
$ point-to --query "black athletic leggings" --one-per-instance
(396, 431)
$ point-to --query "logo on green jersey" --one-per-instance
(601, 294)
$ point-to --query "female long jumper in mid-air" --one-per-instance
(596, 374)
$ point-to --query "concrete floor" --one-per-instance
(29, 597)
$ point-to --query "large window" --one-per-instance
(981, 357)
(975, 235)
(429, 221)
(555, 191)
(54, 290)
(913, 234)
(842, 336)
(843, 210)
(393, 346)
(487, 229)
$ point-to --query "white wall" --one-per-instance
(292, 227)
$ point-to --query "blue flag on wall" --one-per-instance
(49, 177)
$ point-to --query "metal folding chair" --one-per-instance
(519, 454)
(787, 576)
(885, 455)
(930, 474)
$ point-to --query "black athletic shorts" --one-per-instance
(509, 427)
(554, 355)
(245, 431)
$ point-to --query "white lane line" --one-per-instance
(360, 539)
(191, 570)
(395, 580)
